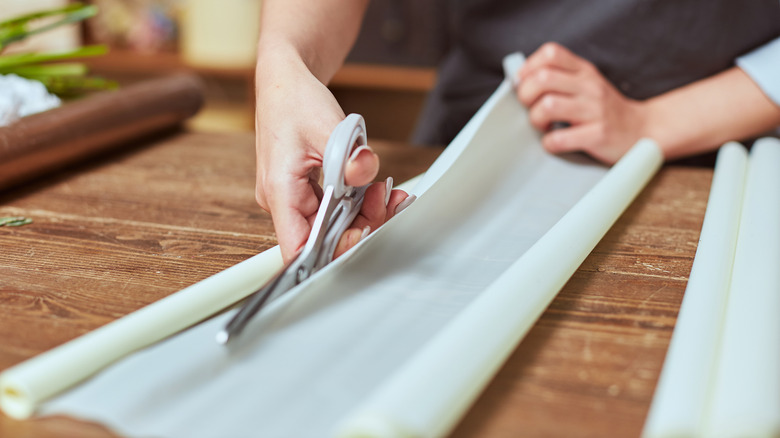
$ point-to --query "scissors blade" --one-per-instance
(347, 210)
(284, 280)
(307, 262)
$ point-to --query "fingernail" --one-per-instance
(365, 233)
(357, 152)
(388, 189)
(405, 203)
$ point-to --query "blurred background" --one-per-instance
(386, 78)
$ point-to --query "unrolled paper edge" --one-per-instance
(354, 425)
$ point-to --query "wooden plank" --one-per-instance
(119, 233)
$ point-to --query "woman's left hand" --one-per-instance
(558, 86)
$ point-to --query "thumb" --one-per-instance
(362, 167)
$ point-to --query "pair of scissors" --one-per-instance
(339, 207)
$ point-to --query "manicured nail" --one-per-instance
(405, 203)
(357, 152)
(388, 189)
(365, 233)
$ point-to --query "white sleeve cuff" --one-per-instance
(763, 66)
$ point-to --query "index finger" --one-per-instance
(293, 208)
(551, 55)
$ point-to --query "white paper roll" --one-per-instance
(427, 396)
(683, 390)
(26, 385)
(746, 391)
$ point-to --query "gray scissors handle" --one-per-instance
(349, 134)
(340, 205)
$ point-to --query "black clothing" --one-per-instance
(644, 47)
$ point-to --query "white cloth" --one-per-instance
(21, 97)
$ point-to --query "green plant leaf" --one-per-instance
(14, 221)
(71, 86)
(61, 69)
(65, 79)
(19, 28)
(24, 19)
(36, 58)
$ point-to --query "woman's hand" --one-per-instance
(295, 116)
(558, 86)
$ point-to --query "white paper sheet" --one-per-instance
(746, 390)
(325, 347)
(683, 391)
(427, 396)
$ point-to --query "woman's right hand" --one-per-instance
(295, 115)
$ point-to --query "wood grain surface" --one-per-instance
(114, 235)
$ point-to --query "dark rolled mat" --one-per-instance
(42, 142)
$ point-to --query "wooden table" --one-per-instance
(123, 231)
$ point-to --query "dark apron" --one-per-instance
(644, 47)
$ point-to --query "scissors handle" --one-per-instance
(340, 205)
(349, 134)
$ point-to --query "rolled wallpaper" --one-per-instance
(683, 390)
(745, 399)
(720, 377)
